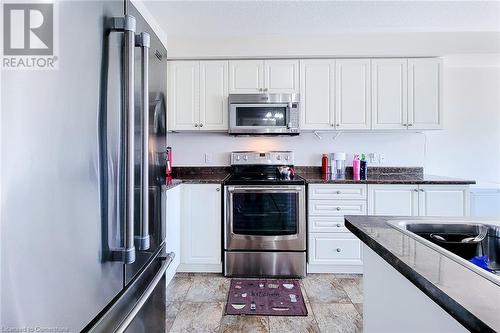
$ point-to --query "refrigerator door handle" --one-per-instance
(145, 296)
(142, 241)
(127, 26)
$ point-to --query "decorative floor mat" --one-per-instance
(268, 297)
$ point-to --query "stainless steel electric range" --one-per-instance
(264, 216)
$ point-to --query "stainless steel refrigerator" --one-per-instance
(82, 173)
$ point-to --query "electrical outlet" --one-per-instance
(381, 158)
(208, 158)
(373, 158)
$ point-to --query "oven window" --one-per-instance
(266, 214)
(260, 116)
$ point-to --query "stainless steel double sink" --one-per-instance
(459, 239)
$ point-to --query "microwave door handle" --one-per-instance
(142, 241)
(288, 113)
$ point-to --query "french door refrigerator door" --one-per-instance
(150, 144)
(62, 180)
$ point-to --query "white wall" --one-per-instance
(468, 147)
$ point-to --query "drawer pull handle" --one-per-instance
(338, 208)
(338, 192)
(338, 250)
(338, 225)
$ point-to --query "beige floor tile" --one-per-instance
(208, 288)
(178, 288)
(359, 307)
(337, 318)
(198, 317)
(354, 288)
(172, 311)
(254, 324)
(324, 288)
(283, 324)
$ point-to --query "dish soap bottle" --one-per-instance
(356, 167)
(324, 164)
(363, 172)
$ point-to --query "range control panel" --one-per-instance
(263, 158)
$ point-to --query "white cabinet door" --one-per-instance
(317, 82)
(389, 93)
(246, 76)
(335, 253)
(352, 94)
(443, 200)
(173, 232)
(424, 93)
(399, 200)
(201, 228)
(281, 76)
(183, 95)
(213, 95)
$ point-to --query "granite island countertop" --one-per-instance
(467, 296)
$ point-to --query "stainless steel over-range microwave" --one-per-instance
(273, 114)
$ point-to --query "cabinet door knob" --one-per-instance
(337, 125)
(338, 249)
(217, 189)
(260, 89)
(338, 225)
(201, 125)
(415, 190)
(195, 125)
(410, 125)
(404, 125)
(338, 208)
(422, 190)
(333, 125)
(265, 89)
(338, 192)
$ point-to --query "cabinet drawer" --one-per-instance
(339, 192)
(327, 224)
(336, 207)
(334, 248)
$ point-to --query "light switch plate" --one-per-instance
(208, 158)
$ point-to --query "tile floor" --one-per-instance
(195, 303)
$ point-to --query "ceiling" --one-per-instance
(233, 18)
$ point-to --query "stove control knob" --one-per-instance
(245, 157)
(278, 157)
(286, 157)
(238, 157)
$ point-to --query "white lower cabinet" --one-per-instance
(331, 247)
(418, 200)
(173, 232)
(201, 228)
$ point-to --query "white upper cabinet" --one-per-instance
(213, 95)
(389, 93)
(183, 95)
(246, 76)
(257, 76)
(281, 76)
(425, 93)
(352, 94)
(197, 95)
(317, 83)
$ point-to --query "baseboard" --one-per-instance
(337, 269)
(200, 268)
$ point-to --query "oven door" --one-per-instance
(262, 218)
(259, 118)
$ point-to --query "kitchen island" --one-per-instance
(412, 287)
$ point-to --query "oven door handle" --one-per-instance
(272, 189)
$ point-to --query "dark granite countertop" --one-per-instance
(470, 298)
(318, 178)
(380, 175)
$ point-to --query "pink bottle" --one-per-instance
(356, 164)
